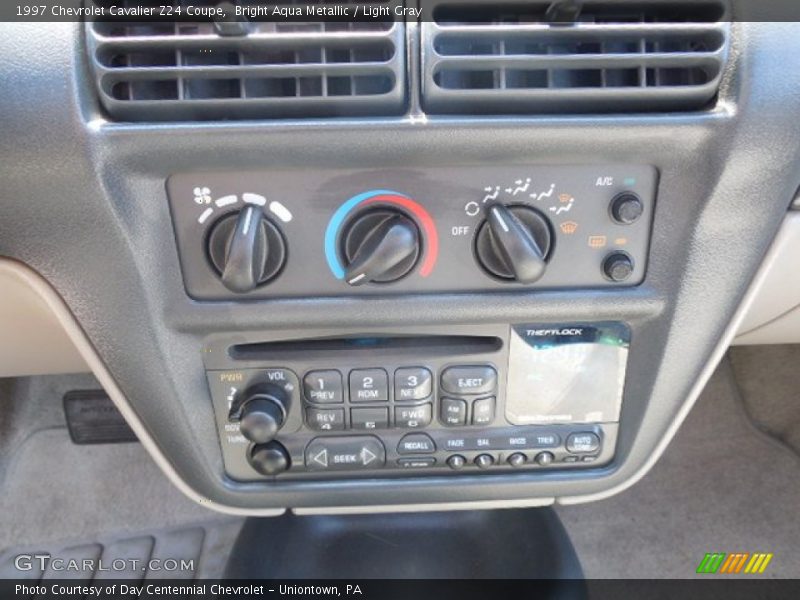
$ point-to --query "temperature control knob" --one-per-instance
(262, 413)
(380, 246)
(513, 243)
(246, 249)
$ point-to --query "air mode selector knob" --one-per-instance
(379, 246)
(513, 243)
(262, 413)
(246, 249)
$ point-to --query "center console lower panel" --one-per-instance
(506, 398)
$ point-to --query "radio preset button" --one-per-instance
(345, 453)
(483, 411)
(453, 412)
(369, 385)
(583, 443)
(321, 419)
(369, 418)
(412, 383)
(323, 387)
(469, 380)
(416, 443)
(413, 417)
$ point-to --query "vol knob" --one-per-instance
(246, 249)
(262, 413)
(380, 246)
(513, 243)
(269, 459)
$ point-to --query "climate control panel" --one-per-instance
(287, 233)
(527, 398)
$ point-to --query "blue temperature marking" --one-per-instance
(336, 222)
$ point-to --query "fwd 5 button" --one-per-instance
(345, 454)
(469, 380)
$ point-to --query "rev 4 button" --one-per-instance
(469, 380)
(345, 454)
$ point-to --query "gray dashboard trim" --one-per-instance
(83, 204)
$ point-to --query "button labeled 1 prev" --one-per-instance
(324, 387)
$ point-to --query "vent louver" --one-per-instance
(616, 56)
(181, 71)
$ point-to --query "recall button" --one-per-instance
(469, 380)
(345, 453)
(416, 443)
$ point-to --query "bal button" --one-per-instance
(484, 461)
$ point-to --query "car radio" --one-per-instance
(520, 397)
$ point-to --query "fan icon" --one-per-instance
(202, 195)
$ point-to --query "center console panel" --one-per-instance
(500, 399)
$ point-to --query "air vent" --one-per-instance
(183, 71)
(614, 56)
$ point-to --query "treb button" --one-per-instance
(469, 380)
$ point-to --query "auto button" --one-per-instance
(350, 453)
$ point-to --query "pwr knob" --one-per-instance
(262, 413)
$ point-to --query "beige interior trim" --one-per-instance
(38, 290)
(774, 317)
(33, 340)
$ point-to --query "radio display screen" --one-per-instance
(571, 373)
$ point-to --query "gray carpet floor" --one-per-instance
(723, 485)
(91, 500)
